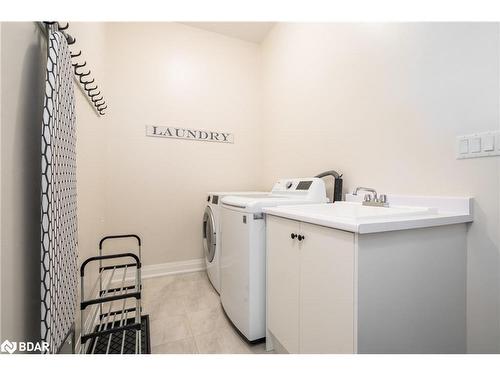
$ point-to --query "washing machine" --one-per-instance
(211, 232)
(243, 255)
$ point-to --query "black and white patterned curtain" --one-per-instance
(59, 224)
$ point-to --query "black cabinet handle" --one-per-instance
(300, 237)
(293, 235)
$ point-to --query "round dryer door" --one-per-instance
(209, 234)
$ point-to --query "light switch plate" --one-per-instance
(488, 142)
(475, 144)
(478, 145)
(463, 146)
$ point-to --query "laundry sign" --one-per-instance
(189, 134)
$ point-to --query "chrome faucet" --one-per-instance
(370, 190)
(368, 200)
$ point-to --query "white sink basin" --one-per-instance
(356, 211)
(352, 216)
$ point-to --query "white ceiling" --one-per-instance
(254, 32)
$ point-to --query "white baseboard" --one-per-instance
(164, 269)
(172, 268)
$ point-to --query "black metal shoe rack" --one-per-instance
(112, 329)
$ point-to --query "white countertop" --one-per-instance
(405, 212)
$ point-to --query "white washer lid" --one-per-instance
(249, 193)
(256, 204)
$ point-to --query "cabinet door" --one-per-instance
(326, 290)
(283, 282)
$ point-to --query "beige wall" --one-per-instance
(382, 103)
(91, 148)
(91, 140)
(23, 76)
(172, 74)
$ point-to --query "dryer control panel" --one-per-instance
(305, 188)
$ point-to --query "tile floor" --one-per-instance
(186, 317)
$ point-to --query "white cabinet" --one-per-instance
(310, 287)
(332, 291)
(283, 282)
(326, 290)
